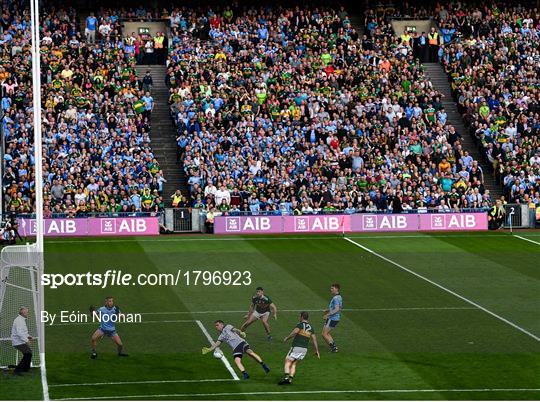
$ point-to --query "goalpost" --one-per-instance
(38, 157)
(21, 266)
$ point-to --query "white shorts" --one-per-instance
(258, 315)
(296, 353)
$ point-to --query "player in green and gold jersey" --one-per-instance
(301, 334)
(260, 308)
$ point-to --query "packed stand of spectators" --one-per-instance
(490, 52)
(495, 74)
(290, 111)
(96, 119)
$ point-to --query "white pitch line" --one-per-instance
(177, 239)
(298, 310)
(350, 391)
(44, 382)
(337, 236)
(529, 240)
(536, 338)
(123, 323)
(93, 384)
(223, 358)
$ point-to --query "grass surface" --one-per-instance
(401, 337)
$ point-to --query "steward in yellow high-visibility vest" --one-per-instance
(495, 216)
(158, 41)
(406, 38)
(159, 47)
(433, 41)
(176, 198)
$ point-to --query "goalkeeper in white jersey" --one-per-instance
(234, 337)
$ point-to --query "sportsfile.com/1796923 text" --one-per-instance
(113, 277)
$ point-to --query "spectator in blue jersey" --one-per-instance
(90, 31)
(332, 316)
(108, 315)
(148, 104)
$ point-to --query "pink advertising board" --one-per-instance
(350, 223)
(384, 222)
(451, 222)
(248, 224)
(130, 226)
(316, 223)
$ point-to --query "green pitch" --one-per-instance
(401, 337)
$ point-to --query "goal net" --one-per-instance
(19, 287)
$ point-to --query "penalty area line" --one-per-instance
(350, 391)
(536, 338)
(223, 358)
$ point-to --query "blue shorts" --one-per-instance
(107, 332)
(331, 323)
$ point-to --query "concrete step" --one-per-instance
(440, 82)
(163, 133)
(164, 149)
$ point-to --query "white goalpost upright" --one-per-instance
(38, 158)
(21, 266)
(38, 260)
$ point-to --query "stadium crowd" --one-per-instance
(96, 117)
(289, 110)
(277, 110)
(494, 67)
(491, 54)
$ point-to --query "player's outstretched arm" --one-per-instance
(206, 349)
(239, 332)
(274, 310)
(316, 345)
(292, 334)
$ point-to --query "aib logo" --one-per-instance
(108, 226)
(232, 224)
(437, 221)
(370, 222)
(301, 224)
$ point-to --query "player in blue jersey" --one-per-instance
(332, 316)
(107, 316)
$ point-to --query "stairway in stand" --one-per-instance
(439, 79)
(163, 133)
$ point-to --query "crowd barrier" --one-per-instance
(131, 226)
(350, 223)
